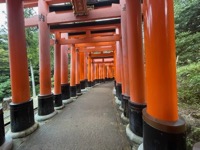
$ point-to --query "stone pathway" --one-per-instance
(92, 122)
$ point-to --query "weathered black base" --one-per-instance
(45, 105)
(21, 116)
(99, 80)
(86, 82)
(118, 90)
(65, 89)
(135, 117)
(92, 83)
(78, 88)
(95, 81)
(2, 130)
(163, 135)
(82, 84)
(125, 100)
(58, 100)
(72, 91)
(89, 84)
(115, 84)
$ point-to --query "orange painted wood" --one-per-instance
(57, 65)
(95, 44)
(122, 67)
(89, 68)
(44, 51)
(103, 13)
(92, 72)
(77, 67)
(118, 60)
(105, 55)
(90, 40)
(31, 22)
(97, 49)
(82, 59)
(17, 52)
(73, 66)
(85, 65)
(126, 86)
(135, 51)
(161, 88)
(64, 61)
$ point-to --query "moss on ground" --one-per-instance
(189, 100)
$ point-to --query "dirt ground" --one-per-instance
(191, 114)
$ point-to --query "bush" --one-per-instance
(189, 84)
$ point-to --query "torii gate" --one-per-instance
(136, 89)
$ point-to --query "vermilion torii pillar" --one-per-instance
(21, 107)
(82, 79)
(78, 85)
(57, 73)
(97, 73)
(89, 70)
(100, 73)
(92, 73)
(45, 98)
(65, 86)
(126, 90)
(136, 68)
(86, 69)
(72, 73)
(118, 68)
(161, 121)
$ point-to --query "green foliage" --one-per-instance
(5, 89)
(187, 15)
(188, 48)
(189, 84)
(187, 25)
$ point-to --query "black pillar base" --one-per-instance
(163, 135)
(82, 84)
(118, 90)
(86, 82)
(89, 83)
(65, 89)
(21, 116)
(115, 84)
(58, 100)
(78, 88)
(72, 91)
(135, 118)
(45, 104)
(125, 100)
(92, 83)
(2, 130)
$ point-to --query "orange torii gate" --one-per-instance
(150, 95)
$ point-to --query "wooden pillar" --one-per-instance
(92, 73)
(72, 72)
(65, 86)
(89, 71)
(78, 85)
(82, 79)
(97, 72)
(161, 121)
(126, 86)
(85, 69)
(136, 66)
(45, 98)
(100, 71)
(57, 73)
(21, 107)
(118, 68)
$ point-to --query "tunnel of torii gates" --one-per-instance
(105, 40)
